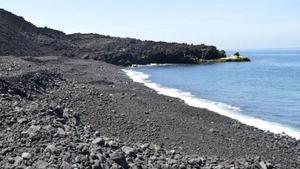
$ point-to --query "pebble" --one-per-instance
(196, 161)
(213, 130)
(60, 131)
(33, 129)
(51, 147)
(26, 155)
(17, 160)
(265, 165)
(119, 158)
(99, 141)
(128, 150)
(113, 144)
(6, 150)
(22, 120)
(41, 164)
(65, 142)
(66, 165)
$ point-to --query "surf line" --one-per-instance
(218, 107)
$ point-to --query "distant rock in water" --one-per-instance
(234, 58)
(21, 38)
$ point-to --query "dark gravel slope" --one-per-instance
(111, 103)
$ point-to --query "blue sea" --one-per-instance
(264, 93)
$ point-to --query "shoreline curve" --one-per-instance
(217, 107)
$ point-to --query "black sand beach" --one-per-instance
(108, 101)
(66, 104)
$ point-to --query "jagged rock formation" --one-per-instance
(21, 38)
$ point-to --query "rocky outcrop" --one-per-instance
(21, 38)
(234, 59)
(228, 59)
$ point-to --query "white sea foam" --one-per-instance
(218, 107)
(154, 64)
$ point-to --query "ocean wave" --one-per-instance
(218, 107)
(155, 64)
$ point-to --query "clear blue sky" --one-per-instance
(228, 24)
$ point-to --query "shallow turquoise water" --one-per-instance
(267, 88)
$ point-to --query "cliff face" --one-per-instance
(21, 38)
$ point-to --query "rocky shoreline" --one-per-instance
(19, 37)
(42, 135)
(58, 112)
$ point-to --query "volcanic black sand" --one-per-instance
(53, 107)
